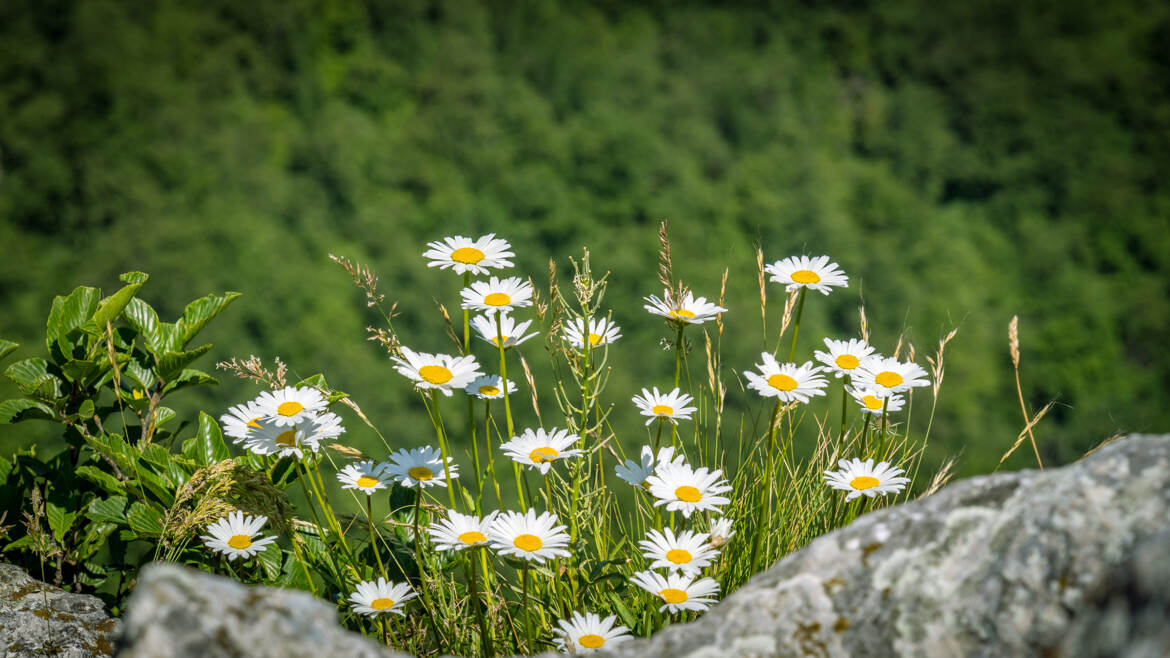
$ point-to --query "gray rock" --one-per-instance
(1073, 561)
(41, 620)
(176, 612)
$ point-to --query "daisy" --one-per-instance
(240, 419)
(290, 405)
(863, 478)
(421, 467)
(688, 552)
(292, 441)
(844, 357)
(602, 331)
(460, 531)
(528, 536)
(364, 476)
(872, 399)
(720, 531)
(497, 295)
(512, 331)
(813, 273)
(582, 634)
(672, 405)
(678, 591)
(540, 449)
(372, 598)
(680, 488)
(788, 382)
(636, 472)
(467, 255)
(487, 387)
(889, 373)
(235, 535)
(438, 371)
(687, 311)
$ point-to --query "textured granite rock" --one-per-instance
(1072, 562)
(177, 612)
(41, 620)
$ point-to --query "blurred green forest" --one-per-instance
(963, 162)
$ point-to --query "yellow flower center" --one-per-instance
(254, 422)
(805, 276)
(543, 454)
(382, 604)
(467, 255)
(240, 541)
(435, 374)
(497, 299)
(645, 485)
(864, 482)
(591, 641)
(594, 339)
(672, 595)
(682, 313)
(527, 542)
(782, 382)
(678, 556)
(488, 389)
(662, 409)
(888, 379)
(499, 340)
(471, 537)
(688, 494)
(871, 402)
(848, 361)
(366, 482)
(421, 473)
(287, 439)
(290, 408)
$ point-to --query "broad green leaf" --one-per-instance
(163, 415)
(69, 313)
(19, 544)
(144, 520)
(117, 450)
(111, 307)
(170, 364)
(627, 617)
(162, 489)
(270, 559)
(107, 482)
(77, 370)
(112, 509)
(7, 347)
(59, 520)
(207, 447)
(15, 411)
(190, 377)
(5, 468)
(142, 377)
(198, 313)
(86, 409)
(33, 378)
(144, 320)
(134, 277)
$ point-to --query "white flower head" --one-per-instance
(377, 597)
(497, 295)
(460, 531)
(584, 634)
(528, 536)
(863, 478)
(672, 405)
(601, 331)
(678, 591)
(873, 399)
(687, 552)
(293, 440)
(803, 272)
(235, 535)
(687, 310)
(488, 387)
(420, 467)
(788, 382)
(720, 531)
(466, 255)
(366, 476)
(636, 472)
(539, 449)
(240, 419)
(437, 371)
(683, 489)
(290, 405)
(512, 331)
(891, 374)
(844, 357)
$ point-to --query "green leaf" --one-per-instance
(627, 617)
(7, 347)
(170, 364)
(190, 377)
(15, 411)
(134, 277)
(112, 509)
(141, 376)
(107, 482)
(163, 415)
(69, 313)
(33, 378)
(270, 559)
(144, 320)
(59, 520)
(6, 466)
(144, 520)
(86, 409)
(207, 447)
(111, 307)
(198, 313)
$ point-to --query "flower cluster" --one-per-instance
(285, 423)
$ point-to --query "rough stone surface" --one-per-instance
(41, 620)
(178, 612)
(1072, 561)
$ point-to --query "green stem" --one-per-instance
(507, 402)
(423, 589)
(885, 422)
(527, 607)
(844, 401)
(796, 322)
(374, 537)
(437, 421)
(678, 354)
(766, 497)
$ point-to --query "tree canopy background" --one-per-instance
(963, 162)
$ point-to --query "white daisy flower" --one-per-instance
(602, 331)
(636, 472)
(872, 399)
(720, 531)
(582, 634)
(813, 273)
(687, 552)
(497, 295)
(844, 357)
(539, 449)
(292, 441)
(290, 405)
(460, 531)
(788, 382)
(421, 467)
(683, 489)
(672, 405)
(686, 311)
(235, 535)
(240, 419)
(512, 331)
(863, 478)
(439, 371)
(466, 255)
(364, 476)
(678, 591)
(528, 536)
(487, 387)
(890, 373)
(376, 597)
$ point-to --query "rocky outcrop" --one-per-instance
(41, 620)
